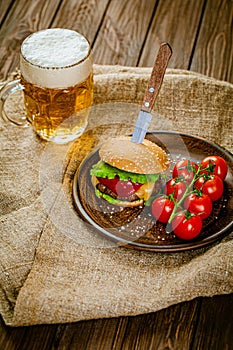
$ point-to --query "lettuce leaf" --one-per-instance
(102, 169)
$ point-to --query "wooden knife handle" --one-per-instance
(156, 78)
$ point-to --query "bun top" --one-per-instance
(140, 158)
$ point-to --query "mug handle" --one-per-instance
(5, 92)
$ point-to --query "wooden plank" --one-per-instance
(91, 335)
(27, 17)
(85, 16)
(175, 22)
(215, 325)
(213, 54)
(24, 18)
(123, 31)
(171, 328)
(34, 337)
(203, 323)
(4, 8)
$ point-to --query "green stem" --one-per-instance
(186, 193)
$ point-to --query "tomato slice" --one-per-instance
(120, 187)
(110, 183)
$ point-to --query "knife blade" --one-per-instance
(154, 85)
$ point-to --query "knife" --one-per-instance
(155, 82)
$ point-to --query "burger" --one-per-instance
(127, 172)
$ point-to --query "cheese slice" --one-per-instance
(145, 190)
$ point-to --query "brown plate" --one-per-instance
(136, 227)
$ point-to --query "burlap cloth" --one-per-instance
(53, 274)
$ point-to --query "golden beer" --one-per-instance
(58, 114)
(58, 83)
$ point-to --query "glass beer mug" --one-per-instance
(57, 82)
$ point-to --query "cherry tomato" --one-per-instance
(120, 187)
(199, 204)
(187, 226)
(162, 208)
(213, 187)
(217, 166)
(200, 182)
(175, 187)
(185, 168)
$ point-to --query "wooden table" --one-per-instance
(128, 32)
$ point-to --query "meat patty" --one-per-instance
(106, 190)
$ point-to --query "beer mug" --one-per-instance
(57, 81)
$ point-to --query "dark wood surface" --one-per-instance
(129, 32)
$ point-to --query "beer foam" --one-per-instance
(55, 58)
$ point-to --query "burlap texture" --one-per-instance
(54, 269)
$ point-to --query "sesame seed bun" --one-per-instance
(139, 158)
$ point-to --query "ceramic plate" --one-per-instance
(136, 227)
